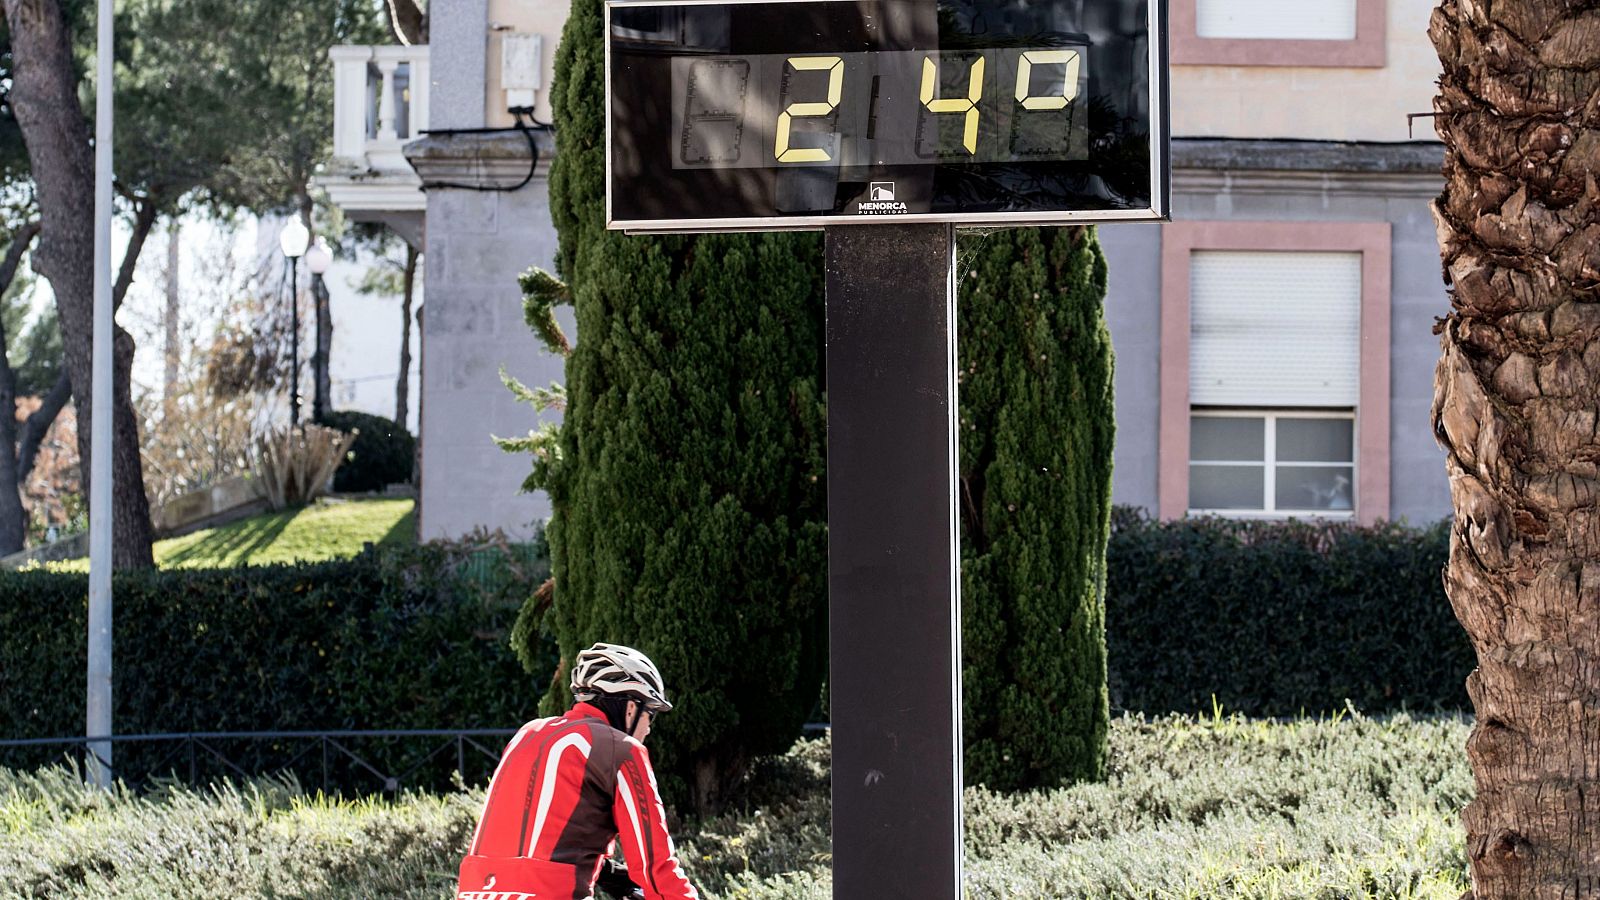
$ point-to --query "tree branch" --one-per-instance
(144, 221)
(409, 21)
(21, 239)
(20, 242)
(33, 430)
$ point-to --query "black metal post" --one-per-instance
(893, 563)
(294, 340)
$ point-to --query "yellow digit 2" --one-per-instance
(1069, 86)
(969, 105)
(835, 68)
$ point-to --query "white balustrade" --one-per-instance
(380, 101)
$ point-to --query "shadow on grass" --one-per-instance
(226, 545)
(403, 532)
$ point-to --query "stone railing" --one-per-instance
(380, 101)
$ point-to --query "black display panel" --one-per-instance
(774, 114)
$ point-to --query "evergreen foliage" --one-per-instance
(687, 489)
(1217, 808)
(395, 638)
(384, 452)
(1036, 439)
(1281, 618)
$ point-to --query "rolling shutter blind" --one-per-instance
(1274, 329)
(1309, 20)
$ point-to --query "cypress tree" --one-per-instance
(687, 476)
(1036, 438)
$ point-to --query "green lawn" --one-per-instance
(331, 529)
(1191, 809)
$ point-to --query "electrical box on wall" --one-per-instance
(521, 62)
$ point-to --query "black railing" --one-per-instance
(405, 758)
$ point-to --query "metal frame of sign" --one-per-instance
(1160, 165)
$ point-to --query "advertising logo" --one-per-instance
(880, 201)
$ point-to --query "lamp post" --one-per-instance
(293, 240)
(318, 259)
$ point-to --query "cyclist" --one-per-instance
(568, 787)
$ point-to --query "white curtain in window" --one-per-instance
(1274, 329)
(1308, 20)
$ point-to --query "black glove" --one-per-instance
(614, 880)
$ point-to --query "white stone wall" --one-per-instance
(1333, 104)
(477, 244)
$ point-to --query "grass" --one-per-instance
(328, 529)
(1219, 807)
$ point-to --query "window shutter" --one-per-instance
(1309, 20)
(1274, 329)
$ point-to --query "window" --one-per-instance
(1274, 378)
(1326, 33)
(1294, 463)
(1273, 329)
(1303, 20)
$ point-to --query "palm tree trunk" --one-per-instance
(1517, 408)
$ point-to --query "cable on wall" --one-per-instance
(526, 128)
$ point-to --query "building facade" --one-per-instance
(425, 142)
(1274, 341)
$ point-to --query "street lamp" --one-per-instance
(293, 240)
(318, 259)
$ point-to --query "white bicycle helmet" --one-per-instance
(619, 671)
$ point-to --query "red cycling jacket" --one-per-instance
(565, 790)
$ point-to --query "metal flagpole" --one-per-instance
(100, 512)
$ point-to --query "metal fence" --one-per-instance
(336, 761)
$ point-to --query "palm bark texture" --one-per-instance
(1517, 408)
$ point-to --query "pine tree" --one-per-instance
(1036, 439)
(687, 477)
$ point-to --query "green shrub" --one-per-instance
(1212, 808)
(1036, 438)
(384, 452)
(1280, 618)
(687, 483)
(405, 638)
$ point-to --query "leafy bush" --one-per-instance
(402, 638)
(1214, 808)
(384, 453)
(1280, 618)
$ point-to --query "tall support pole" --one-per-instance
(894, 562)
(294, 340)
(100, 513)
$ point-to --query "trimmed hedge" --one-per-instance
(1278, 619)
(406, 638)
(383, 453)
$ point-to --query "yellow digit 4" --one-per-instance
(969, 105)
(1069, 86)
(835, 68)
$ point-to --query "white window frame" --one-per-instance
(1270, 462)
